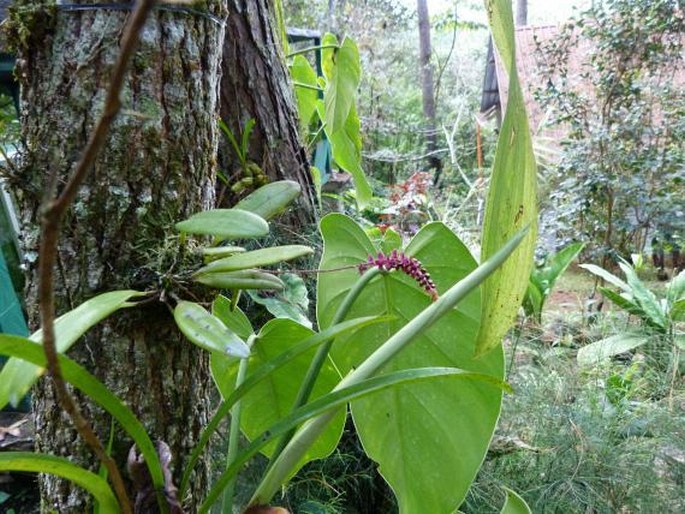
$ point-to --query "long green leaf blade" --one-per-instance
(40, 463)
(17, 376)
(511, 203)
(331, 401)
(32, 352)
(257, 258)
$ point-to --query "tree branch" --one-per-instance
(52, 215)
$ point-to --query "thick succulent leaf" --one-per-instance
(514, 504)
(273, 398)
(17, 376)
(600, 351)
(242, 279)
(341, 89)
(219, 252)
(207, 331)
(292, 302)
(270, 199)
(257, 258)
(303, 73)
(453, 421)
(511, 204)
(61, 467)
(225, 224)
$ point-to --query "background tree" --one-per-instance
(157, 168)
(622, 170)
(427, 85)
(255, 85)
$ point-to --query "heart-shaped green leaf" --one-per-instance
(257, 258)
(273, 398)
(207, 331)
(304, 75)
(341, 89)
(270, 199)
(419, 433)
(225, 224)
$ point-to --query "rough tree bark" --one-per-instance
(158, 167)
(255, 84)
(427, 85)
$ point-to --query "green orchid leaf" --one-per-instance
(32, 352)
(17, 376)
(257, 258)
(511, 203)
(600, 351)
(225, 224)
(273, 398)
(271, 199)
(219, 252)
(454, 433)
(514, 504)
(242, 279)
(292, 302)
(207, 331)
(302, 72)
(61, 467)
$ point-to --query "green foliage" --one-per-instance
(659, 315)
(543, 278)
(40, 463)
(414, 473)
(292, 302)
(17, 376)
(225, 224)
(514, 504)
(622, 170)
(511, 202)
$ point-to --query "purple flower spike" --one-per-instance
(408, 265)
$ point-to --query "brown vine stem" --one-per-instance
(52, 214)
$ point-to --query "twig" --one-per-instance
(53, 212)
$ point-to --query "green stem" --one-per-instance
(304, 85)
(233, 440)
(296, 448)
(310, 49)
(322, 353)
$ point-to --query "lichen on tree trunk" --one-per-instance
(157, 168)
(255, 84)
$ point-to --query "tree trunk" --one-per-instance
(427, 86)
(157, 168)
(521, 13)
(255, 84)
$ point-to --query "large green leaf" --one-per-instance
(32, 352)
(273, 398)
(346, 149)
(234, 318)
(270, 199)
(514, 504)
(257, 258)
(61, 467)
(225, 224)
(453, 421)
(608, 277)
(17, 376)
(304, 75)
(600, 351)
(511, 203)
(341, 89)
